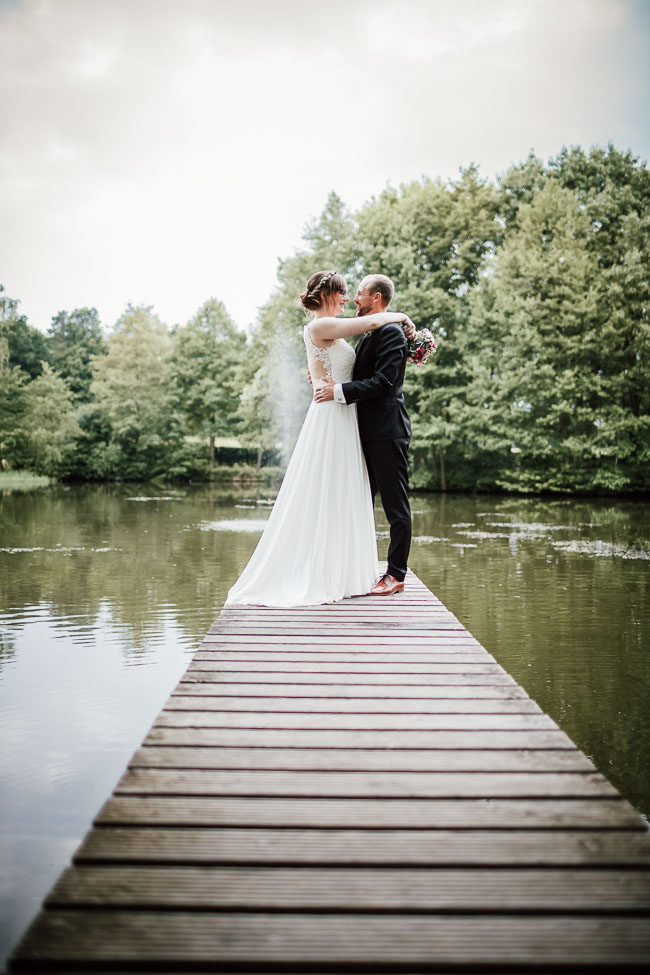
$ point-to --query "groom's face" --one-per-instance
(364, 301)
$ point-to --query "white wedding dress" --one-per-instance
(319, 543)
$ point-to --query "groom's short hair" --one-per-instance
(380, 283)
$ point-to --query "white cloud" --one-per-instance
(168, 150)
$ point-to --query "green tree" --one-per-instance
(8, 307)
(207, 353)
(21, 345)
(22, 351)
(518, 185)
(613, 190)
(50, 424)
(27, 346)
(254, 415)
(536, 393)
(131, 388)
(557, 342)
(74, 338)
(13, 402)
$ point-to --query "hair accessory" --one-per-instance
(325, 278)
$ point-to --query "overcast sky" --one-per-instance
(167, 151)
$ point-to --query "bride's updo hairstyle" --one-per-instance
(320, 287)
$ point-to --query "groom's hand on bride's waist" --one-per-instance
(324, 391)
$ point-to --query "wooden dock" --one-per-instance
(352, 788)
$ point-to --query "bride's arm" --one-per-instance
(339, 328)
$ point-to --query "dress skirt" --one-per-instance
(319, 543)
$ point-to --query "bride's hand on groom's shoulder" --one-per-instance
(409, 329)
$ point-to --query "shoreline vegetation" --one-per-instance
(535, 286)
(247, 476)
(236, 475)
(23, 481)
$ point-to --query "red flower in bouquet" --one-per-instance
(421, 347)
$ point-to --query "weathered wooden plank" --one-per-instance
(415, 619)
(419, 594)
(413, 614)
(433, 648)
(346, 629)
(415, 606)
(194, 968)
(361, 670)
(414, 589)
(525, 890)
(460, 847)
(388, 607)
(373, 627)
(405, 621)
(363, 659)
(462, 677)
(43, 967)
(346, 633)
(199, 684)
(196, 697)
(409, 620)
(362, 760)
(377, 610)
(75, 937)
(371, 814)
(375, 639)
(349, 605)
(204, 718)
(264, 619)
(412, 594)
(270, 665)
(341, 784)
(352, 740)
(323, 721)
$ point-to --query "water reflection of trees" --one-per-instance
(137, 564)
(7, 646)
(570, 627)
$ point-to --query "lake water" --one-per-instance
(106, 591)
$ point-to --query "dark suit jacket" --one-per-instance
(377, 385)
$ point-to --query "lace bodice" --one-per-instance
(335, 362)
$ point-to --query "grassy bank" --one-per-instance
(22, 480)
(233, 474)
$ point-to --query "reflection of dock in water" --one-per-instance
(352, 787)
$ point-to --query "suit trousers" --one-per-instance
(387, 463)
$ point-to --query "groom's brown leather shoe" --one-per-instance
(386, 586)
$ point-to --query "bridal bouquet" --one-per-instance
(421, 347)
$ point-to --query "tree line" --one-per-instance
(534, 284)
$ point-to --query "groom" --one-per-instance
(384, 425)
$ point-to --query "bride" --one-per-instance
(319, 543)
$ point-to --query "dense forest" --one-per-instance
(535, 286)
